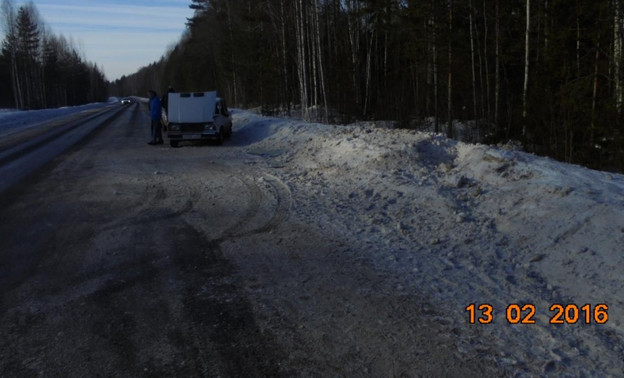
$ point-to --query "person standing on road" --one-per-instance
(155, 114)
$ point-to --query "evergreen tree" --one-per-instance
(44, 70)
(542, 72)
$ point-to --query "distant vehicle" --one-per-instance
(197, 116)
(126, 101)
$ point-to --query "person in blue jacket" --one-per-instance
(156, 115)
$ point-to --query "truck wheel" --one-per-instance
(173, 143)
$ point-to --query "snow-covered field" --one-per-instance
(470, 224)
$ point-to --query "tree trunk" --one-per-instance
(302, 60)
(486, 102)
(472, 57)
(231, 36)
(17, 83)
(546, 29)
(497, 81)
(449, 128)
(578, 42)
(526, 67)
(320, 59)
(617, 56)
(592, 127)
(436, 115)
(286, 91)
(429, 72)
(354, 42)
(311, 40)
(369, 53)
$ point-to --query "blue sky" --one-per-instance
(120, 36)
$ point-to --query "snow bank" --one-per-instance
(467, 224)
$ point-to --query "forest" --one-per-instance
(546, 74)
(41, 70)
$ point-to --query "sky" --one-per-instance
(119, 36)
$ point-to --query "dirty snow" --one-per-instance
(467, 223)
(461, 224)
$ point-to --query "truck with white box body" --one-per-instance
(197, 116)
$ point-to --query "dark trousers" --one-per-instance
(156, 130)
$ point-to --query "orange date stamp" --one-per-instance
(525, 313)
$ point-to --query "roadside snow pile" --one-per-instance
(467, 224)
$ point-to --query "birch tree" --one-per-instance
(497, 79)
(319, 56)
(434, 57)
(485, 100)
(449, 128)
(472, 61)
(354, 45)
(617, 56)
(28, 68)
(302, 58)
(525, 87)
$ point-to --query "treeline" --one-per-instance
(545, 72)
(40, 70)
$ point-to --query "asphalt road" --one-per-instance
(123, 259)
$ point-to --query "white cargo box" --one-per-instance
(195, 107)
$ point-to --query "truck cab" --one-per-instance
(197, 116)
